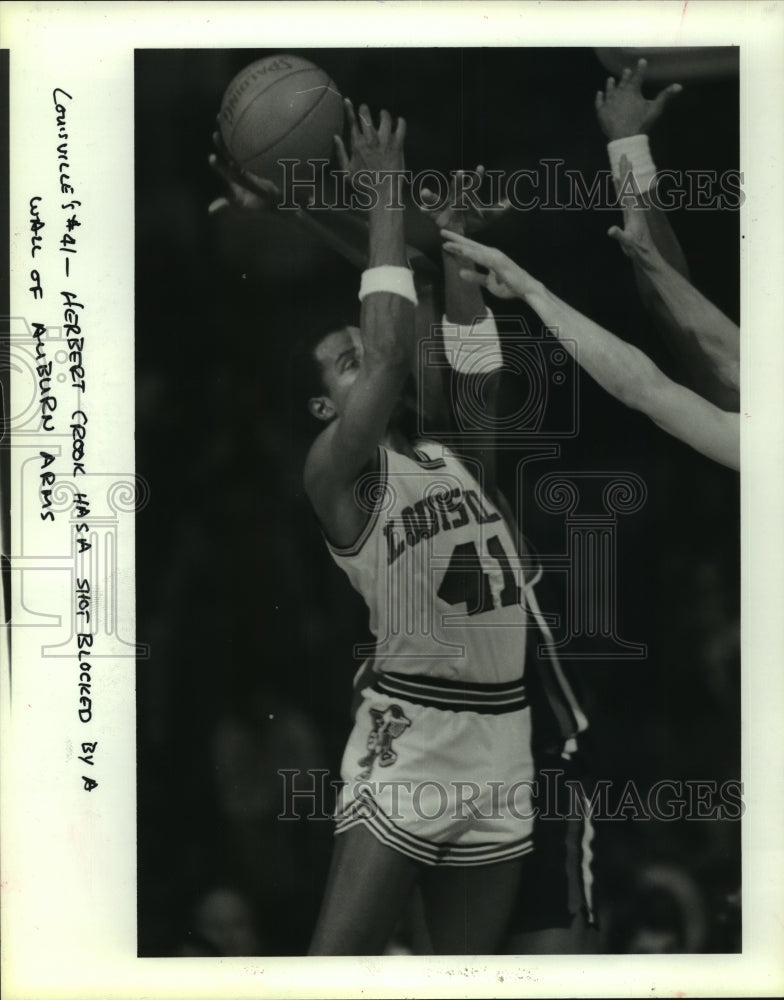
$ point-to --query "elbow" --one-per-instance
(391, 357)
(644, 388)
(729, 376)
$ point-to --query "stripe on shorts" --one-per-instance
(364, 810)
(455, 696)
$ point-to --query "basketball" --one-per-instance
(281, 107)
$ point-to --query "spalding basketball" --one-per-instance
(281, 107)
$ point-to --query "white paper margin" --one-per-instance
(68, 858)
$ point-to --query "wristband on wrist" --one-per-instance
(638, 152)
(476, 348)
(387, 278)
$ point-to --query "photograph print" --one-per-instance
(437, 394)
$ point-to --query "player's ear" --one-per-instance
(322, 408)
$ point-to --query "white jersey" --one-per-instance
(438, 568)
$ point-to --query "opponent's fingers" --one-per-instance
(342, 154)
(609, 85)
(224, 170)
(218, 205)
(456, 185)
(489, 213)
(366, 122)
(429, 198)
(473, 277)
(455, 250)
(225, 164)
(664, 95)
(217, 165)
(351, 117)
(400, 132)
(221, 147)
(625, 76)
(598, 101)
(638, 74)
(626, 187)
(261, 186)
(458, 238)
(384, 125)
(624, 241)
(471, 252)
(625, 180)
(470, 248)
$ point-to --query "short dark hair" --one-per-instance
(306, 375)
(306, 371)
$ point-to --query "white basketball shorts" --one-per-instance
(441, 770)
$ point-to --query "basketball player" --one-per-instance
(620, 368)
(715, 337)
(438, 765)
(704, 340)
(554, 908)
(548, 902)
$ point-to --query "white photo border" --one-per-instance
(69, 861)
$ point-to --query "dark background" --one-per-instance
(251, 626)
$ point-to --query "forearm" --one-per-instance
(700, 330)
(463, 302)
(476, 362)
(693, 329)
(429, 361)
(630, 376)
(665, 240)
(387, 318)
(618, 367)
(636, 148)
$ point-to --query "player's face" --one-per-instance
(340, 357)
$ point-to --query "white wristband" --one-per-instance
(638, 152)
(394, 280)
(476, 349)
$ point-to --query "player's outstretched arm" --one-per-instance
(620, 368)
(461, 213)
(475, 353)
(708, 338)
(625, 115)
(348, 444)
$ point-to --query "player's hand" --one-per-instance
(623, 111)
(635, 237)
(247, 192)
(505, 279)
(459, 213)
(373, 149)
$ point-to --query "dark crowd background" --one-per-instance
(251, 627)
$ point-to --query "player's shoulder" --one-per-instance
(321, 473)
(431, 452)
(317, 459)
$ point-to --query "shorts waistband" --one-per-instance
(454, 696)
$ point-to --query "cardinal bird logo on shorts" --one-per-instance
(387, 726)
